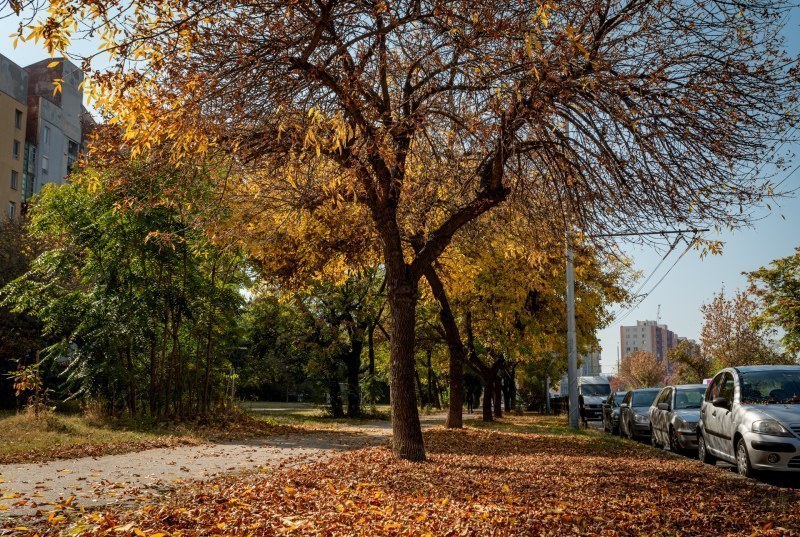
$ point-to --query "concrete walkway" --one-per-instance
(112, 479)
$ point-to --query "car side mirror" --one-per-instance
(663, 406)
(623, 405)
(721, 402)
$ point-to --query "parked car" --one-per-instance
(611, 412)
(634, 421)
(750, 417)
(674, 415)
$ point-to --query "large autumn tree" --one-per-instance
(632, 115)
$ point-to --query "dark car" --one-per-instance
(674, 416)
(611, 412)
(634, 421)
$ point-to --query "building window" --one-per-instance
(14, 179)
(45, 165)
(16, 149)
(46, 135)
(12, 209)
(18, 119)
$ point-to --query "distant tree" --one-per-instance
(730, 336)
(777, 286)
(641, 369)
(691, 365)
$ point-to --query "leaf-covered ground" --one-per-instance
(475, 482)
(53, 436)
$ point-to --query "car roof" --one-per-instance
(690, 386)
(756, 368)
(646, 390)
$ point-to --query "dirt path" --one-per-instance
(95, 481)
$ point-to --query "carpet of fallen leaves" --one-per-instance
(475, 482)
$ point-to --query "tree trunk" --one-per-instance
(371, 343)
(488, 391)
(498, 397)
(407, 442)
(131, 380)
(353, 364)
(153, 378)
(456, 349)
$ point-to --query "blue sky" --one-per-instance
(692, 282)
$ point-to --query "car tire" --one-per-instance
(674, 445)
(743, 465)
(702, 451)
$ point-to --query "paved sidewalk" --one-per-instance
(95, 481)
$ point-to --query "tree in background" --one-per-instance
(730, 336)
(691, 366)
(20, 334)
(777, 287)
(641, 369)
(668, 108)
(141, 307)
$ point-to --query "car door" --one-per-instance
(655, 414)
(662, 416)
(725, 419)
(624, 414)
(607, 408)
(709, 414)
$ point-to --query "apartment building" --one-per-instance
(56, 125)
(13, 118)
(647, 336)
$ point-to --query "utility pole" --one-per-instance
(572, 344)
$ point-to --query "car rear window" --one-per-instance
(644, 398)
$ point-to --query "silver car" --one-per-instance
(751, 418)
(674, 416)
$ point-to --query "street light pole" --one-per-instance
(572, 344)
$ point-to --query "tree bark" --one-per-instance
(498, 397)
(407, 442)
(488, 395)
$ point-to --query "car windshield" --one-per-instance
(689, 398)
(771, 387)
(644, 397)
(595, 389)
(619, 396)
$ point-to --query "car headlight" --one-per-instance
(687, 426)
(770, 427)
(640, 419)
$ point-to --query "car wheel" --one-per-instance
(702, 451)
(743, 460)
(674, 445)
